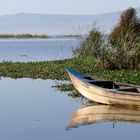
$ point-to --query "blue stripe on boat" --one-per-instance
(76, 74)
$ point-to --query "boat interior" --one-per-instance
(111, 85)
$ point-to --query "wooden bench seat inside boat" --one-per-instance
(105, 84)
(110, 85)
(129, 89)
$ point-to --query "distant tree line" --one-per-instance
(20, 36)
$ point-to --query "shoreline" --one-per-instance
(36, 36)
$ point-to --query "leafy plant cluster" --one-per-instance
(56, 70)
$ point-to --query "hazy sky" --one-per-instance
(81, 7)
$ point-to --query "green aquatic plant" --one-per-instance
(61, 86)
(56, 70)
(64, 87)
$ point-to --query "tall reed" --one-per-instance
(90, 45)
(126, 50)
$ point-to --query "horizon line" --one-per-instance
(17, 13)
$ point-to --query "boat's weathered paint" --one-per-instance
(103, 113)
(102, 95)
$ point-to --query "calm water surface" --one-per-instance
(33, 110)
(23, 50)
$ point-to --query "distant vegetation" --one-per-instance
(28, 36)
(20, 36)
(118, 50)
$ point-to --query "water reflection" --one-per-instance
(97, 113)
(33, 110)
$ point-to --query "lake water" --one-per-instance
(33, 110)
(23, 50)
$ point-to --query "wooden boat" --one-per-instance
(98, 113)
(105, 92)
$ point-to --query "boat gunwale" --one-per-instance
(112, 91)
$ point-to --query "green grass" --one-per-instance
(56, 70)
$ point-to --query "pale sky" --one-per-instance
(74, 7)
